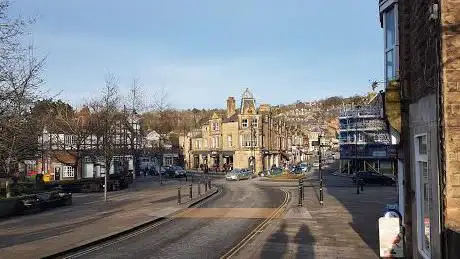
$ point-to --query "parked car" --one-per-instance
(368, 177)
(55, 199)
(28, 204)
(276, 171)
(42, 201)
(298, 170)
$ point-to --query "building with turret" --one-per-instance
(250, 136)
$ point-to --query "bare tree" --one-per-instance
(106, 119)
(161, 102)
(136, 104)
(19, 83)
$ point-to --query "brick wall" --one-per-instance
(450, 22)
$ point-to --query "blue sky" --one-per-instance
(201, 51)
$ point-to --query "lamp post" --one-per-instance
(253, 159)
(321, 198)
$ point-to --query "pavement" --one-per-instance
(90, 219)
(346, 226)
(205, 232)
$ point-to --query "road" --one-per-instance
(205, 232)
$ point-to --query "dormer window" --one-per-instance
(244, 123)
(215, 126)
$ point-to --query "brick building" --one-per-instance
(240, 137)
(422, 49)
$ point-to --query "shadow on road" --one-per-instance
(276, 245)
(305, 241)
(365, 208)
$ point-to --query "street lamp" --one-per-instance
(321, 198)
(253, 137)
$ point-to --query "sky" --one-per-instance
(200, 52)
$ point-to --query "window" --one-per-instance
(390, 30)
(229, 140)
(246, 140)
(70, 140)
(215, 142)
(215, 126)
(360, 137)
(68, 171)
(244, 123)
(421, 142)
(423, 195)
(168, 161)
(254, 123)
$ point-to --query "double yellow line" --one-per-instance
(258, 229)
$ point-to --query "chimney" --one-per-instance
(231, 109)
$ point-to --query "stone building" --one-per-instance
(422, 53)
(241, 138)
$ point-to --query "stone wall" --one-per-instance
(450, 22)
(230, 129)
(424, 63)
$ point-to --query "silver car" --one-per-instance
(237, 174)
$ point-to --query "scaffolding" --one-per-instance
(365, 141)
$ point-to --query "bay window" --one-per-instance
(389, 17)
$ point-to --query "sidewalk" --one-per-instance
(345, 227)
(31, 240)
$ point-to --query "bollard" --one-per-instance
(321, 197)
(357, 186)
(300, 196)
(209, 184)
(362, 185)
(191, 192)
(205, 186)
(178, 196)
(199, 188)
(301, 185)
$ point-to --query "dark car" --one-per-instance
(373, 178)
(28, 204)
(55, 199)
(297, 170)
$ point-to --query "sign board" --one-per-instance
(391, 206)
(390, 238)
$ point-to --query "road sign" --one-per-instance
(390, 238)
